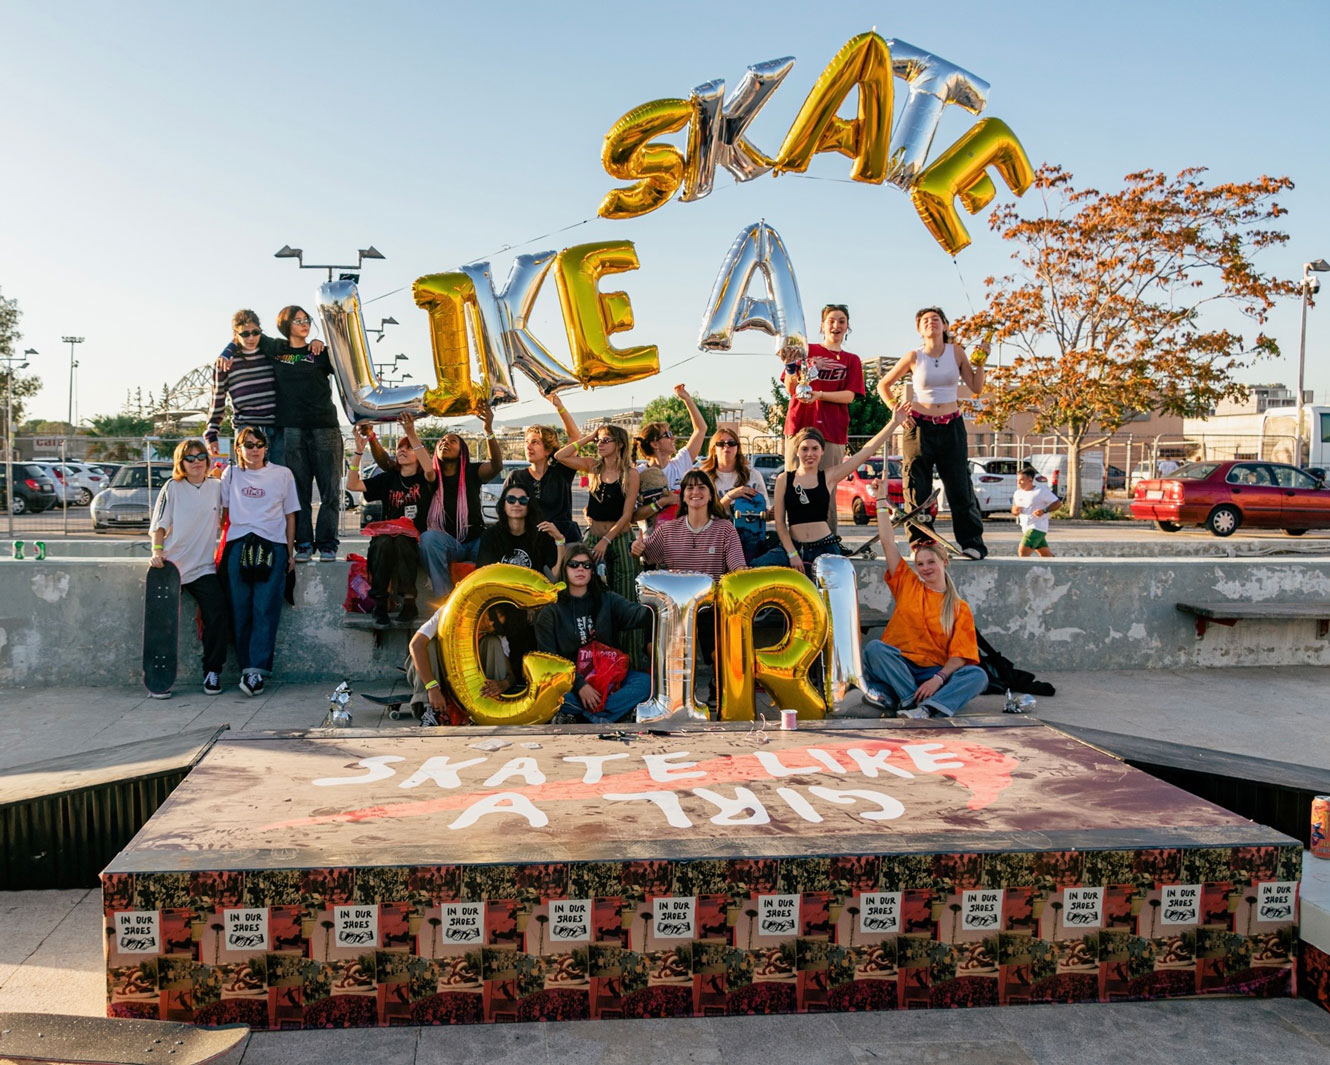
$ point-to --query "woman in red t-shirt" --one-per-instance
(927, 662)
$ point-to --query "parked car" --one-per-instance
(1115, 478)
(770, 467)
(34, 492)
(1225, 495)
(127, 504)
(489, 491)
(994, 481)
(87, 480)
(857, 493)
(65, 491)
(109, 470)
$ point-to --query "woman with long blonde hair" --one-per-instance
(927, 662)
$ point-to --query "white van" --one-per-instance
(1054, 467)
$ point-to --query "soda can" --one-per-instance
(1321, 826)
(789, 720)
(41, 550)
(18, 549)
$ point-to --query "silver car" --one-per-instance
(127, 504)
(66, 492)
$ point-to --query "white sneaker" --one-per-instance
(212, 684)
(917, 713)
(159, 695)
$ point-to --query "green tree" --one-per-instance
(671, 410)
(121, 436)
(1105, 309)
(868, 413)
(25, 386)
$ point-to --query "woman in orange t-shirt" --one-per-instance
(927, 662)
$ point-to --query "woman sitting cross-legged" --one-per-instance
(585, 611)
(927, 662)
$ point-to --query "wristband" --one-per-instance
(431, 684)
(158, 547)
(560, 543)
(490, 436)
(793, 554)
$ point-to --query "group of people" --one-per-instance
(709, 518)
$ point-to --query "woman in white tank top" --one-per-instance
(934, 437)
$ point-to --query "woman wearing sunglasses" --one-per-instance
(663, 467)
(259, 499)
(586, 610)
(243, 374)
(184, 528)
(742, 495)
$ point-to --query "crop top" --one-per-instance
(804, 505)
(605, 503)
(935, 379)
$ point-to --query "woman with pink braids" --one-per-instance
(455, 521)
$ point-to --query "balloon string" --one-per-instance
(964, 287)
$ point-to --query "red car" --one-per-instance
(1223, 495)
(857, 493)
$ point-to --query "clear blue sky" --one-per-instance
(157, 154)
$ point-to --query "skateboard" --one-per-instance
(47, 1037)
(914, 520)
(399, 706)
(161, 628)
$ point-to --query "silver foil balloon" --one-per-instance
(493, 358)
(363, 398)
(716, 133)
(338, 715)
(933, 83)
(842, 656)
(675, 598)
(524, 351)
(757, 249)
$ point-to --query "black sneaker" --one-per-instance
(252, 684)
(212, 684)
(381, 618)
(408, 612)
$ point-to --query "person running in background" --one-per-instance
(662, 467)
(184, 527)
(405, 489)
(927, 662)
(1032, 505)
(839, 381)
(548, 482)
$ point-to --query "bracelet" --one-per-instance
(158, 547)
(431, 684)
(490, 436)
(560, 543)
(793, 554)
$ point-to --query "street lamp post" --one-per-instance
(1309, 285)
(71, 341)
(298, 255)
(9, 431)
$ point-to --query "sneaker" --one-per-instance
(975, 553)
(880, 699)
(303, 554)
(381, 618)
(327, 556)
(917, 713)
(252, 684)
(427, 719)
(159, 695)
(408, 612)
(563, 717)
(212, 684)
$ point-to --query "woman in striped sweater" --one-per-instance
(247, 378)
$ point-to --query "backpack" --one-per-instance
(1003, 676)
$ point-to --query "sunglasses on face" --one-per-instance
(727, 443)
(252, 445)
(247, 333)
(519, 501)
(300, 321)
(667, 435)
(604, 440)
(195, 456)
(579, 563)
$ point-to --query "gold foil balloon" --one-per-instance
(591, 316)
(783, 669)
(631, 155)
(549, 678)
(449, 299)
(363, 398)
(960, 171)
(865, 63)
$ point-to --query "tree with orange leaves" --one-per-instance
(1109, 306)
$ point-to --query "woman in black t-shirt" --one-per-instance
(548, 482)
(405, 488)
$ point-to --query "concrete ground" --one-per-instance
(51, 959)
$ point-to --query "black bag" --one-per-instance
(256, 558)
(1003, 676)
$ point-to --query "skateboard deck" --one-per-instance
(915, 520)
(161, 628)
(47, 1037)
(399, 706)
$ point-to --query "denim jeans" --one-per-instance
(315, 456)
(887, 669)
(255, 610)
(440, 549)
(636, 688)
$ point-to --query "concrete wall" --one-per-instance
(79, 621)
